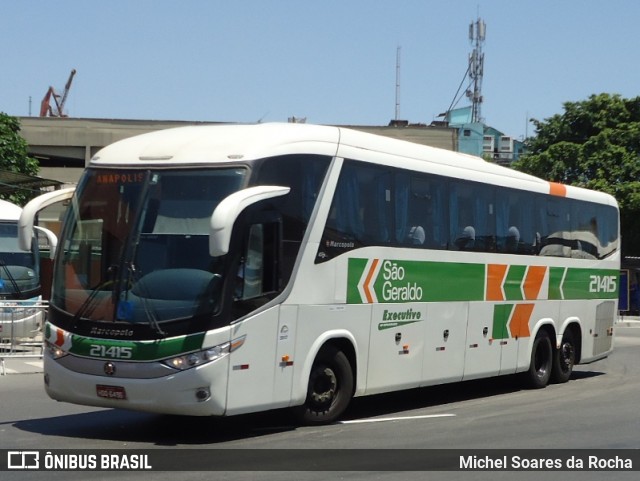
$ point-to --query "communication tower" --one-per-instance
(477, 33)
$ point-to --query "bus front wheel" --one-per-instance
(330, 388)
(541, 361)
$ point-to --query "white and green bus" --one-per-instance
(220, 270)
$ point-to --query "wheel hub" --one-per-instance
(567, 355)
(324, 386)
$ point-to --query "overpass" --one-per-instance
(64, 146)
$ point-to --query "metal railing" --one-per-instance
(21, 324)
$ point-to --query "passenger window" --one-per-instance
(584, 230)
(362, 210)
(515, 229)
(594, 230)
(554, 227)
(427, 212)
(607, 229)
(376, 205)
(304, 174)
(471, 217)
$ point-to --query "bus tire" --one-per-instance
(330, 388)
(539, 371)
(564, 358)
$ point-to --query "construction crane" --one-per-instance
(56, 110)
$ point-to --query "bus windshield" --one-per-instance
(18, 269)
(135, 249)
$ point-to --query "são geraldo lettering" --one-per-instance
(394, 289)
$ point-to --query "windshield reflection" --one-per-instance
(135, 246)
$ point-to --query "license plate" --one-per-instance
(111, 392)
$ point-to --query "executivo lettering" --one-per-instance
(393, 319)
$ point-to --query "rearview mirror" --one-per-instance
(29, 212)
(225, 215)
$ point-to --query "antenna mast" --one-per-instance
(398, 83)
(477, 34)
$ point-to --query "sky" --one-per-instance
(331, 61)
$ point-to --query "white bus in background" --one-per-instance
(21, 312)
(219, 270)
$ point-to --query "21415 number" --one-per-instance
(113, 352)
(602, 284)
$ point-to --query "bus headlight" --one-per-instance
(193, 359)
(55, 351)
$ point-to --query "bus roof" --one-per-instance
(206, 144)
(210, 144)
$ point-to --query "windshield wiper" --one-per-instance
(11, 279)
(144, 298)
(89, 305)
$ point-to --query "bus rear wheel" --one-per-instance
(330, 388)
(541, 361)
(564, 359)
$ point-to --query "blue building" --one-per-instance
(476, 138)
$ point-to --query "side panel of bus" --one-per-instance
(261, 371)
(445, 342)
(397, 344)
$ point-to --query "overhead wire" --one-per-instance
(454, 102)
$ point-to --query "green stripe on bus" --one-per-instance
(415, 281)
(555, 279)
(398, 281)
(501, 316)
(590, 284)
(355, 271)
(135, 350)
(513, 283)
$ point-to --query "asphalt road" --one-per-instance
(597, 409)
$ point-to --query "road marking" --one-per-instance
(401, 418)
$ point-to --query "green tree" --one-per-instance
(595, 144)
(14, 156)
